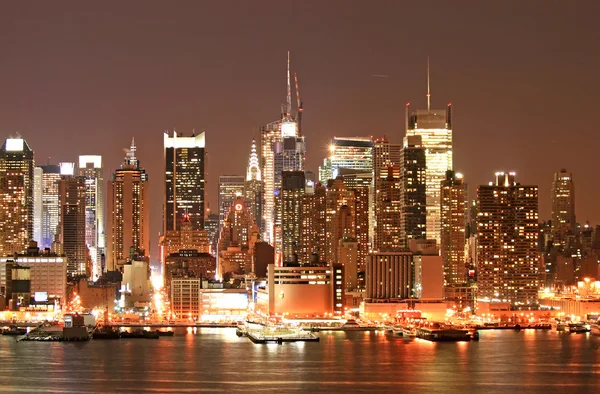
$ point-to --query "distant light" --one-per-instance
(14, 145)
(459, 175)
(86, 159)
(331, 148)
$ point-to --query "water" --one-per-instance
(216, 360)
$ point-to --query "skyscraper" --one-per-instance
(354, 153)
(230, 188)
(412, 191)
(72, 222)
(282, 149)
(563, 208)
(435, 128)
(254, 189)
(236, 239)
(90, 169)
(340, 217)
(37, 203)
(128, 230)
(313, 239)
(16, 196)
(507, 255)
(388, 210)
(185, 180)
(453, 216)
(292, 192)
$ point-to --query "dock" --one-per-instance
(261, 338)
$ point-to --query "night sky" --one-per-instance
(523, 78)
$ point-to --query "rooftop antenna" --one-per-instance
(428, 88)
(289, 88)
(300, 109)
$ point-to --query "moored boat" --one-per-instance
(14, 330)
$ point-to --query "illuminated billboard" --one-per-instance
(40, 296)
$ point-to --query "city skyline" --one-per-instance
(370, 82)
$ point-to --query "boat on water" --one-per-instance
(352, 325)
(559, 325)
(409, 332)
(578, 328)
(14, 330)
(165, 333)
(140, 334)
(444, 334)
(106, 332)
(595, 328)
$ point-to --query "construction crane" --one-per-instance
(300, 109)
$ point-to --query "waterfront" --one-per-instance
(215, 360)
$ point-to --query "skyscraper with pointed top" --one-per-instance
(435, 128)
(282, 149)
(129, 212)
(254, 188)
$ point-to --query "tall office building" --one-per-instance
(389, 275)
(230, 188)
(388, 210)
(340, 217)
(72, 222)
(353, 153)
(37, 203)
(412, 191)
(563, 208)
(282, 149)
(185, 180)
(507, 255)
(313, 239)
(49, 216)
(254, 188)
(435, 128)
(453, 216)
(90, 169)
(236, 239)
(16, 196)
(292, 192)
(128, 230)
(385, 154)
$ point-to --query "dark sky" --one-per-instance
(523, 78)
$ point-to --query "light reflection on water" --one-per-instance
(217, 360)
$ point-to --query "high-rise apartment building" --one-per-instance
(313, 239)
(90, 169)
(291, 195)
(128, 230)
(185, 180)
(435, 128)
(230, 188)
(453, 215)
(72, 220)
(412, 191)
(340, 218)
(16, 196)
(563, 208)
(507, 231)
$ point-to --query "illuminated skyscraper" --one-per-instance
(254, 188)
(72, 222)
(313, 239)
(435, 128)
(388, 211)
(49, 215)
(353, 153)
(236, 239)
(16, 196)
(340, 218)
(385, 154)
(37, 204)
(282, 149)
(90, 168)
(185, 180)
(412, 191)
(128, 230)
(230, 188)
(453, 216)
(291, 195)
(507, 230)
(563, 208)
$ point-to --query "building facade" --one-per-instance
(453, 216)
(507, 256)
(72, 223)
(90, 169)
(230, 188)
(185, 180)
(563, 208)
(129, 220)
(434, 126)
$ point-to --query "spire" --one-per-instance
(253, 172)
(428, 90)
(289, 88)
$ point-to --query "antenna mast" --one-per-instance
(428, 90)
(300, 109)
